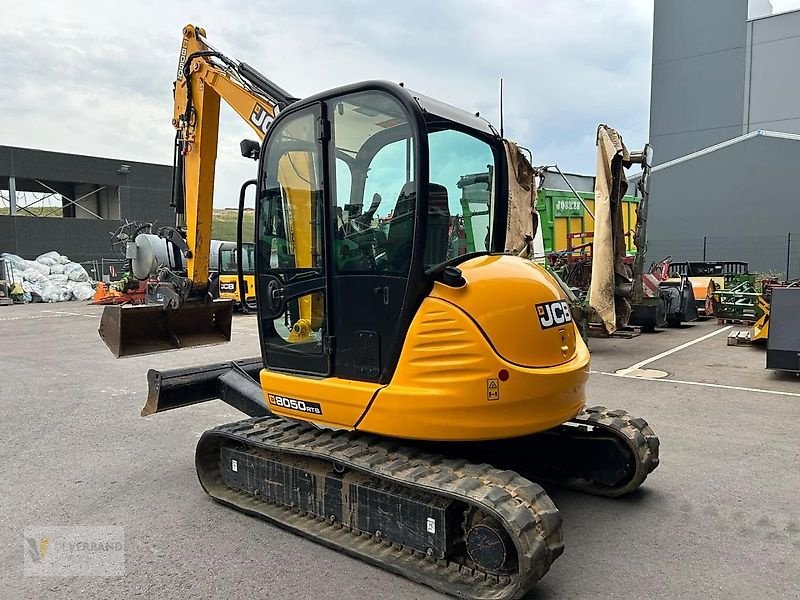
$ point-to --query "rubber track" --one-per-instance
(635, 432)
(523, 507)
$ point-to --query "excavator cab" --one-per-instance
(359, 213)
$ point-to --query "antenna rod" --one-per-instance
(501, 108)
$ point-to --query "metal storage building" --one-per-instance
(724, 125)
(87, 197)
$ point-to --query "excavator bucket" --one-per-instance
(130, 330)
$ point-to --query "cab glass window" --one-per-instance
(460, 196)
(290, 228)
(228, 262)
(291, 231)
(375, 205)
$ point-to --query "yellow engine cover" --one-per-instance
(505, 296)
(477, 363)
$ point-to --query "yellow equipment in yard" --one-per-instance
(408, 394)
(228, 275)
(760, 329)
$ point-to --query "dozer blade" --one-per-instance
(234, 382)
(130, 330)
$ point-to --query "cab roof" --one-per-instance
(430, 107)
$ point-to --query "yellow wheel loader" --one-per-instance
(409, 397)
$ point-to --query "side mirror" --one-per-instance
(250, 149)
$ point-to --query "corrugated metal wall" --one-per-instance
(740, 202)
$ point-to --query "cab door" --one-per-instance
(339, 258)
(291, 259)
(374, 199)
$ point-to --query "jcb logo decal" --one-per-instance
(228, 286)
(261, 118)
(553, 314)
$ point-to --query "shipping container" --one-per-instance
(561, 214)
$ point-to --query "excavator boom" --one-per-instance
(180, 312)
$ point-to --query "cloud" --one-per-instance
(95, 77)
(784, 5)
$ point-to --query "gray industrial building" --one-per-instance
(86, 198)
(725, 128)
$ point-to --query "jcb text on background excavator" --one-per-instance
(409, 392)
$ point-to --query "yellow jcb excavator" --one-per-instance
(409, 394)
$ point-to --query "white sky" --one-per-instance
(784, 5)
(95, 76)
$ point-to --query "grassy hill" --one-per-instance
(38, 211)
(223, 226)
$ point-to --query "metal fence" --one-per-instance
(104, 269)
(778, 255)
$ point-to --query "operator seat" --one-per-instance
(437, 242)
(401, 227)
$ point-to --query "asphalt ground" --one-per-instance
(719, 518)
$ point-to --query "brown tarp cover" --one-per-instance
(609, 248)
(521, 202)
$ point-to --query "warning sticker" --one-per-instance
(492, 389)
(431, 525)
